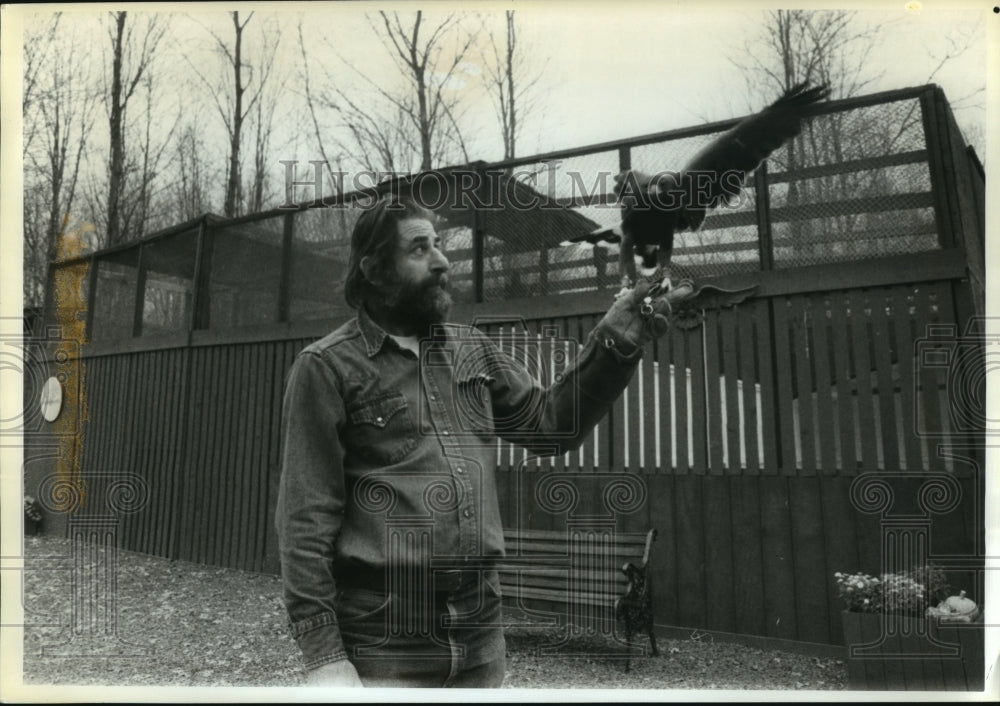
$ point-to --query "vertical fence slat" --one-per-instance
(660, 514)
(674, 401)
(270, 403)
(690, 550)
(779, 596)
(649, 407)
(591, 459)
(258, 424)
(227, 477)
(826, 409)
(904, 348)
(787, 441)
(122, 391)
(802, 362)
(158, 439)
(156, 472)
(714, 397)
(843, 374)
(149, 446)
(138, 384)
(188, 455)
(634, 423)
(614, 439)
(747, 560)
(860, 335)
(886, 384)
(748, 366)
(931, 380)
(699, 405)
(809, 559)
(202, 464)
(562, 351)
(244, 432)
(718, 553)
(739, 446)
(174, 466)
(211, 476)
(763, 337)
(840, 543)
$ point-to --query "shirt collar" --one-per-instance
(373, 334)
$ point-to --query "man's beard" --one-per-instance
(419, 306)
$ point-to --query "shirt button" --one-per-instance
(378, 419)
(460, 469)
(467, 512)
(445, 432)
(433, 397)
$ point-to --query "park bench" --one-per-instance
(575, 573)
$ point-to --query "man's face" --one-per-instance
(418, 292)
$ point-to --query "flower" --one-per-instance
(904, 593)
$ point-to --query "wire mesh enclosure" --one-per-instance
(858, 184)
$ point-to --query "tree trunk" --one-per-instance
(116, 175)
(233, 186)
(510, 147)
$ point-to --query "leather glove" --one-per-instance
(638, 316)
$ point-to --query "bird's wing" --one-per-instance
(726, 160)
(607, 234)
(710, 296)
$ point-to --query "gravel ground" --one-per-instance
(183, 624)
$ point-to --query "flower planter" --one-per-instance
(903, 653)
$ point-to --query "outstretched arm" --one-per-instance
(563, 414)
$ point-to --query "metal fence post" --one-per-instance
(765, 242)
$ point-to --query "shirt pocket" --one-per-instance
(381, 428)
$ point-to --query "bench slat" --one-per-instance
(623, 538)
(582, 597)
(537, 567)
(537, 575)
(562, 550)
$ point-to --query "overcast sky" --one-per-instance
(608, 70)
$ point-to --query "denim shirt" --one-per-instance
(379, 444)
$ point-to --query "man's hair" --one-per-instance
(375, 236)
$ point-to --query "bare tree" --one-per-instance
(834, 47)
(391, 128)
(190, 191)
(262, 119)
(828, 46)
(38, 42)
(509, 78)
(336, 183)
(131, 58)
(59, 116)
(237, 95)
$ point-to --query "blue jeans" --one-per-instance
(435, 640)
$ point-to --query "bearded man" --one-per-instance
(388, 518)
